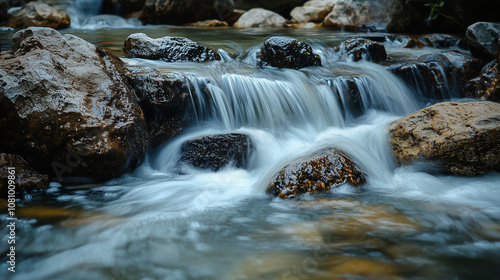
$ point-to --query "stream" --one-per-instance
(404, 223)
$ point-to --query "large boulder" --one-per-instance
(312, 11)
(318, 173)
(67, 108)
(39, 14)
(184, 11)
(487, 85)
(359, 48)
(169, 49)
(164, 99)
(431, 75)
(282, 7)
(258, 17)
(483, 39)
(453, 17)
(462, 138)
(217, 151)
(285, 52)
(25, 179)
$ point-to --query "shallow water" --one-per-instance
(405, 223)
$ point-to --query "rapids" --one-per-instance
(405, 223)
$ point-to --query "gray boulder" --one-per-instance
(483, 39)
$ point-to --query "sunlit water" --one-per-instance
(405, 223)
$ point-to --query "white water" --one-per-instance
(159, 224)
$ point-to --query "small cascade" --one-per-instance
(277, 99)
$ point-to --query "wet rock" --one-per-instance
(282, 7)
(285, 52)
(360, 48)
(465, 68)
(169, 49)
(483, 39)
(431, 75)
(318, 173)
(26, 179)
(463, 138)
(67, 109)
(5, 5)
(439, 41)
(487, 85)
(413, 42)
(217, 151)
(414, 16)
(258, 17)
(39, 14)
(181, 11)
(121, 7)
(210, 23)
(164, 99)
(312, 11)
(348, 15)
(348, 94)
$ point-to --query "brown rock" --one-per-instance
(487, 85)
(67, 108)
(26, 179)
(463, 138)
(319, 173)
(210, 23)
(39, 14)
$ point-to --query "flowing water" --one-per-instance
(405, 223)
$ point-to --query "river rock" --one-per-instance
(431, 75)
(463, 138)
(285, 52)
(217, 151)
(66, 107)
(465, 68)
(164, 99)
(234, 16)
(282, 7)
(26, 178)
(453, 18)
(487, 85)
(39, 14)
(312, 11)
(258, 17)
(348, 15)
(360, 48)
(169, 49)
(318, 173)
(483, 39)
(349, 97)
(210, 23)
(182, 11)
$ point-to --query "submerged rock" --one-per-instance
(164, 99)
(260, 18)
(360, 48)
(169, 49)
(285, 52)
(66, 107)
(217, 151)
(210, 23)
(487, 85)
(39, 14)
(26, 179)
(319, 173)
(312, 11)
(181, 11)
(463, 138)
(483, 39)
